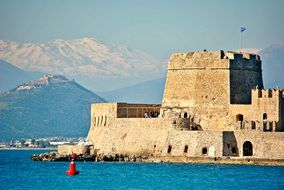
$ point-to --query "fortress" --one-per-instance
(214, 106)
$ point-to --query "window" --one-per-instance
(169, 149)
(185, 115)
(239, 117)
(204, 151)
(252, 124)
(264, 116)
(185, 149)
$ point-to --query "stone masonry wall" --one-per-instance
(268, 145)
(197, 83)
(245, 74)
(149, 138)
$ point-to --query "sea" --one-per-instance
(18, 171)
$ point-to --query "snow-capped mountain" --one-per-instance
(85, 60)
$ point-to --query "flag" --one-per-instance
(243, 29)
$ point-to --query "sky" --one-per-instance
(158, 27)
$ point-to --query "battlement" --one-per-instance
(214, 60)
(267, 93)
(240, 56)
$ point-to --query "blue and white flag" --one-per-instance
(243, 29)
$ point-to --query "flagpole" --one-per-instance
(241, 40)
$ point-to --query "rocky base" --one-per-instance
(55, 156)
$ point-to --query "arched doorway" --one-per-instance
(247, 149)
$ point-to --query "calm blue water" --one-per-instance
(17, 171)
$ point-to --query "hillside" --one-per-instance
(11, 76)
(49, 106)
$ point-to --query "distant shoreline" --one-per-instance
(28, 149)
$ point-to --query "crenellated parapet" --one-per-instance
(214, 60)
(268, 94)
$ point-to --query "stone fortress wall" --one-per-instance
(214, 105)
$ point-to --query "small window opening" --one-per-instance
(264, 117)
(239, 117)
(253, 125)
(185, 115)
(169, 149)
(185, 149)
(204, 151)
(265, 126)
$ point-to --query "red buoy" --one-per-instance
(72, 169)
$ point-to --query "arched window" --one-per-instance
(204, 151)
(185, 149)
(264, 116)
(169, 149)
(185, 115)
(239, 117)
(247, 149)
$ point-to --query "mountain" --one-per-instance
(11, 76)
(49, 106)
(93, 64)
(145, 92)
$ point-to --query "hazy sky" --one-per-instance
(158, 27)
